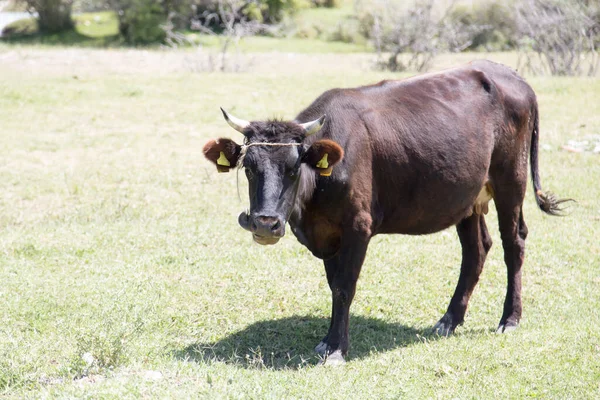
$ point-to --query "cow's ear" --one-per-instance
(224, 153)
(322, 155)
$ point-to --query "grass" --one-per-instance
(124, 273)
(333, 24)
(263, 44)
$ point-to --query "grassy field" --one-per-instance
(124, 273)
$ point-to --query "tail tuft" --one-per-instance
(547, 201)
(549, 204)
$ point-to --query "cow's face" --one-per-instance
(271, 156)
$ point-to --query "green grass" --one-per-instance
(97, 24)
(124, 273)
(330, 24)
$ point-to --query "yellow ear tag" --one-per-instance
(222, 160)
(323, 163)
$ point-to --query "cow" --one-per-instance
(412, 156)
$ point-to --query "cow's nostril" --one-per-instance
(254, 227)
(276, 226)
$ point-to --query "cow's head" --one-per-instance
(272, 155)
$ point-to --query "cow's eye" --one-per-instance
(249, 173)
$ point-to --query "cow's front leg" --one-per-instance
(342, 272)
(330, 268)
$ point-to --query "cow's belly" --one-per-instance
(434, 208)
(430, 185)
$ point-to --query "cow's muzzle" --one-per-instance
(265, 229)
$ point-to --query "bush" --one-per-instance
(140, 21)
(273, 11)
(492, 25)
(326, 3)
(415, 32)
(426, 28)
(563, 35)
(347, 31)
(262, 11)
(22, 27)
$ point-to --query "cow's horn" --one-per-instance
(313, 126)
(236, 123)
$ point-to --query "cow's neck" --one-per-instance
(306, 187)
(309, 222)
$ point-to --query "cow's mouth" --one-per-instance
(244, 221)
(264, 240)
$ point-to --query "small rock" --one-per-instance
(572, 149)
(153, 375)
(88, 358)
(90, 379)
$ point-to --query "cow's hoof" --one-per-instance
(321, 348)
(334, 359)
(444, 327)
(507, 327)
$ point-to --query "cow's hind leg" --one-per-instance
(476, 242)
(509, 188)
(513, 232)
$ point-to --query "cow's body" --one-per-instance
(417, 152)
(420, 155)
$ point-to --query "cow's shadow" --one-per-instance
(288, 343)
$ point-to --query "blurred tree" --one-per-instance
(53, 15)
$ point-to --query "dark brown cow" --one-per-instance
(414, 156)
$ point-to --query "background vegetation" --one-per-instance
(559, 37)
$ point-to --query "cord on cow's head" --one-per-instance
(244, 147)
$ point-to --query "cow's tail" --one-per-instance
(547, 201)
